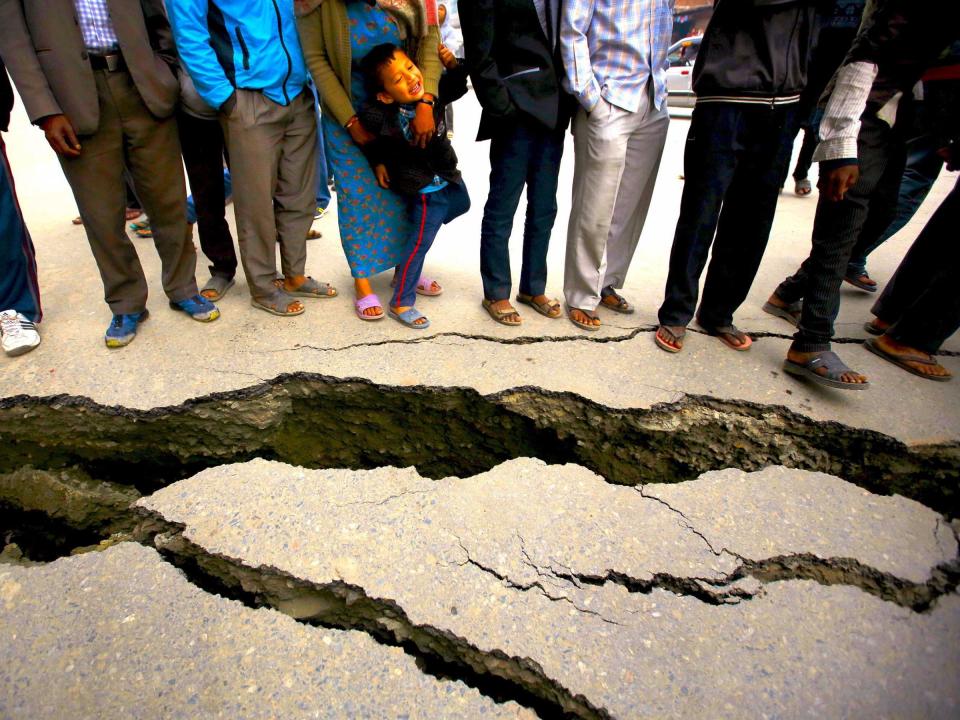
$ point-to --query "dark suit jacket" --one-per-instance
(515, 69)
(42, 46)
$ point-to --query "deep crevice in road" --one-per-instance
(321, 422)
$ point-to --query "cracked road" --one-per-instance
(474, 521)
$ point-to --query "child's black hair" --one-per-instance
(372, 63)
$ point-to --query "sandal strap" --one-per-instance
(830, 362)
(367, 302)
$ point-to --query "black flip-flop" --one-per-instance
(901, 361)
(791, 313)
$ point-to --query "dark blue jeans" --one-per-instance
(922, 169)
(427, 212)
(525, 154)
(735, 158)
(323, 173)
(19, 289)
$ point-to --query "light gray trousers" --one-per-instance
(616, 157)
(273, 157)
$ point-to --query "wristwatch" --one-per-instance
(431, 103)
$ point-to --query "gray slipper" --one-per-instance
(834, 366)
(313, 289)
(218, 285)
(276, 303)
(791, 313)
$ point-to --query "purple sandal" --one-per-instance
(367, 302)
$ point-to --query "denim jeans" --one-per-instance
(735, 158)
(526, 154)
(427, 211)
(323, 173)
(19, 289)
(923, 168)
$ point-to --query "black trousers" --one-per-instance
(837, 228)
(203, 148)
(735, 158)
(921, 299)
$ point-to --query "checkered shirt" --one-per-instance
(96, 26)
(612, 47)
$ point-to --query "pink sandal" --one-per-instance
(424, 287)
(367, 302)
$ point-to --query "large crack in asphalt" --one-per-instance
(340, 605)
(321, 422)
(497, 673)
(81, 457)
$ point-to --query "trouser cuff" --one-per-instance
(809, 346)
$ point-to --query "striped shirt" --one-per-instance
(840, 124)
(96, 26)
(611, 48)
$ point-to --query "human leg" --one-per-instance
(19, 288)
(293, 197)
(921, 301)
(96, 179)
(202, 144)
(428, 211)
(542, 176)
(600, 147)
(153, 156)
(643, 154)
(709, 162)
(254, 133)
(509, 156)
(747, 215)
(836, 227)
(921, 170)
(322, 174)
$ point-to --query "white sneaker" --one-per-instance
(17, 334)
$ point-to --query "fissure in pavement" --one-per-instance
(69, 469)
(320, 422)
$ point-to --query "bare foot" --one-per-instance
(925, 365)
(801, 358)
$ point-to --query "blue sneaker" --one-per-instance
(197, 307)
(123, 329)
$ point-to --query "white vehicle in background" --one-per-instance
(681, 56)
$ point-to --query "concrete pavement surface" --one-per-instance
(611, 599)
(549, 587)
(122, 634)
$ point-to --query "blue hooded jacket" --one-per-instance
(239, 44)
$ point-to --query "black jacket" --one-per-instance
(6, 98)
(758, 50)
(412, 168)
(514, 62)
(904, 38)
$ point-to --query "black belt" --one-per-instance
(111, 62)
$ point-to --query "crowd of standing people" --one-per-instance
(123, 89)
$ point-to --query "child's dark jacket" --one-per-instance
(412, 168)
